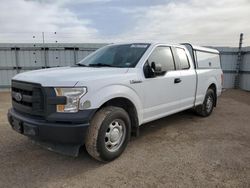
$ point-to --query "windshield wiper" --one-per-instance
(101, 65)
(81, 65)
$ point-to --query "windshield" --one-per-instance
(124, 55)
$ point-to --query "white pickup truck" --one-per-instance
(104, 99)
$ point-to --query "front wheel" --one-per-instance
(108, 134)
(207, 107)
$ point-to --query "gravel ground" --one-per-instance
(181, 150)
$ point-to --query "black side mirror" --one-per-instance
(153, 70)
(157, 69)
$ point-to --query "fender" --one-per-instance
(210, 81)
(114, 91)
(206, 78)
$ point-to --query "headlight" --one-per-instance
(73, 96)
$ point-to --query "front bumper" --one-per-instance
(40, 129)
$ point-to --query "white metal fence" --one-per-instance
(16, 58)
(228, 63)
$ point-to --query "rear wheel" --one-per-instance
(207, 107)
(108, 134)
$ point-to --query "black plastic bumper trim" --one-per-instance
(63, 133)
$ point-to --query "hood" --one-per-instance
(67, 76)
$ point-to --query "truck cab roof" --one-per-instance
(194, 47)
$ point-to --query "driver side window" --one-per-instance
(160, 57)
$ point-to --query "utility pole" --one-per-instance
(238, 65)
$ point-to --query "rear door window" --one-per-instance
(183, 59)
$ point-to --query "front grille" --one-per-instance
(28, 98)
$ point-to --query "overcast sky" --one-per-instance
(203, 22)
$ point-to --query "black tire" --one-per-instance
(207, 107)
(97, 140)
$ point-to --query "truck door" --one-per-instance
(160, 87)
(187, 89)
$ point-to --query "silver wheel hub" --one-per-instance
(115, 135)
(209, 104)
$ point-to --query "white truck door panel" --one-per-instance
(160, 96)
(160, 90)
(187, 88)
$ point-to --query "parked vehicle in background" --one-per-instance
(104, 99)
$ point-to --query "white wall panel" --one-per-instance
(30, 56)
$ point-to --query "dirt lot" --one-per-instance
(182, 150)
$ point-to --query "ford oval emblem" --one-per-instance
(18, 97)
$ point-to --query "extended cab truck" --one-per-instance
(102, 100)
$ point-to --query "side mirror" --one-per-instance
(157, 69)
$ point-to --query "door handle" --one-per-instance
(177, 80)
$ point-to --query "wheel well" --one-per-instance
(129, 107)
(213, 87)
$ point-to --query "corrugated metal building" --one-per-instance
(16, 58)
(245, 70)
(228, 63)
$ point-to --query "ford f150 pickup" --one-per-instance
(101, 101)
